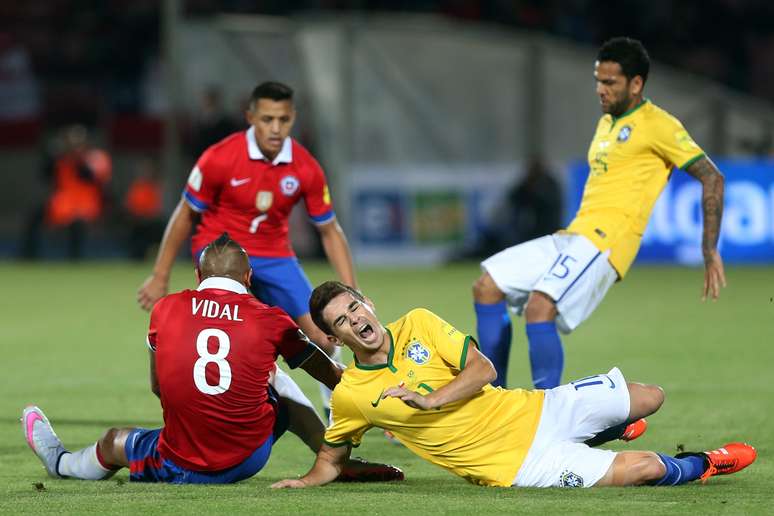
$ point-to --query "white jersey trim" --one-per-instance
(223, 284)
(285, 155)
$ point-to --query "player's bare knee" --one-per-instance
(644, 399)
(650, 468)
(540, 308)
(657, 396)
(485, 290)
(107, 443)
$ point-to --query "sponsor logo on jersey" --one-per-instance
(378, 400)
(264, 200)
(570, 479)
(624, 133)
(418, 354)
(289, 185)
(239, 182)
(195, 179)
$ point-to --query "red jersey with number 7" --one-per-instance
(237, 190)
(214, 350)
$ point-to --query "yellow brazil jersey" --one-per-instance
(483, 439)
(630, 158)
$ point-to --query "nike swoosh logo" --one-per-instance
(239, 182)
(375, 403)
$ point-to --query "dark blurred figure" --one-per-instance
(77, 173)
(213, 123)
(143, 205)
(531, 208)
(536, 203)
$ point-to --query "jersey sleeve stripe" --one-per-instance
(692, 161)
(150, 346)
(194, 203)
(297, 360)
(464, 355)
(322, 219)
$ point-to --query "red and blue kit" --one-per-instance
(215, 348)
(237, 190)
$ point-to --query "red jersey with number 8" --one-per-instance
(214, 350)
(237, 190)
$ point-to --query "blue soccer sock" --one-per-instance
(493, 325)
(680, 471)
(546, 355)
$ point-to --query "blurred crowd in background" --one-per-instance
(70, 69)
(105, 58)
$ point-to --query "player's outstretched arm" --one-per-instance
(478, 371)
(712, 208)
(336, 248)
(178, 228)
(322, 368)
(327, 467)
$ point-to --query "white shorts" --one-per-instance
(566, 267)
(573, 413)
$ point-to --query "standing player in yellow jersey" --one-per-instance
(558, 280)
(428, 384)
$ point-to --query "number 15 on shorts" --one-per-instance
(562, 266)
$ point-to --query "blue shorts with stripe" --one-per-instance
(147, 465)
(279, 282)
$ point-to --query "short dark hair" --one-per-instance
(322, 295)
(223, 257)
(271, 90)
(629, 53)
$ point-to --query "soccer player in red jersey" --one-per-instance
(212, 365)
(247, 185)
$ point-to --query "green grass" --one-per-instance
(73, 343)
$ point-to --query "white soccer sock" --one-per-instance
(287, 388)
(83, 464)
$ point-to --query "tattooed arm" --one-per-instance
(712, 207)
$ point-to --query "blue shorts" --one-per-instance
(279, 282)
(147, 465)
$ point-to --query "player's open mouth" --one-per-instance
(365, 331)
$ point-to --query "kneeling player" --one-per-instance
(421, 379)
(225, 403)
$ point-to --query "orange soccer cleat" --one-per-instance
(634, 430)
(728, 459)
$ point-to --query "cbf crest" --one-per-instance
(624, 133)
(418, 353)
(289, 185)
(264, 200)
(570, 479)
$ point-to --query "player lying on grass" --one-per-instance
(225, 403)
(428, 384)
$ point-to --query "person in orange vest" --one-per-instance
(143, 204)
(80, 175)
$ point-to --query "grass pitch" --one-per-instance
(73, 343)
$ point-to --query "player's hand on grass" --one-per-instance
(411, 398)
(152, 289)
(291, 483)
(714, 276)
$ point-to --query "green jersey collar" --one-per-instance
(390, 354)
(632, 110)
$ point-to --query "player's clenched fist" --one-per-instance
(151, 291)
